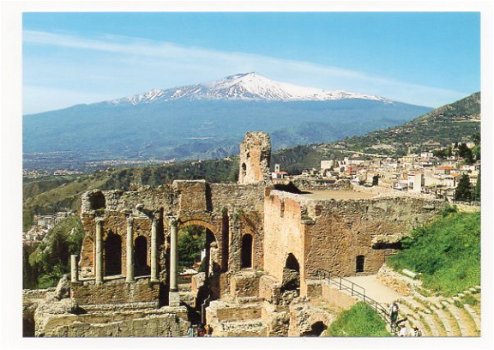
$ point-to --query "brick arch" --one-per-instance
(198, 222)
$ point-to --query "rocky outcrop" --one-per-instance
(399, 283)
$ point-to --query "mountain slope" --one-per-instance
(206, 121)
(454, 122)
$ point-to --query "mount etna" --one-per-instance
(205, 121)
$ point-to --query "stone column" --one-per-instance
(174, 298)
(74, 271)
(98, 262)
(129, 277)
(154, 250)
(235, 242)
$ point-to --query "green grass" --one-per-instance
(446, 253)
(359, 321)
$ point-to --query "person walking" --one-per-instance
(207, 330)
(394, 315)
(417, 332)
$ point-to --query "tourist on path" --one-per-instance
(394, 315)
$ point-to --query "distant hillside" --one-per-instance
(454, 122)
(51, 194)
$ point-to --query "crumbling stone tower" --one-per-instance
(255, 154)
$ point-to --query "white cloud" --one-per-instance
(129, 65)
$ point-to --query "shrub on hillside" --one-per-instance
(51, 258)
(446, 252)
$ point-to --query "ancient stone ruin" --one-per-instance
(265, 252)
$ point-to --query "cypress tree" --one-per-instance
(476, 192)
(463, 190)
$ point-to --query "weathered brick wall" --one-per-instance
(251, 223)
(255, 154)
(192, 195)
(152, 198)
(245, 284)
(283, 233)
(115, 292)
(213, 206)
(163, 322)
(116, 223)
(329, 234)
(269, 288)
(342, 230)
(244, 197)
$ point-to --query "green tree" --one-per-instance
(476, 191)
(44, 266)
(191, 241)
(465, 153)
(464, 189)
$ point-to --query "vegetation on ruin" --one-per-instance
(49, 260)
(446, 252)
(360, 320)
(191, 241)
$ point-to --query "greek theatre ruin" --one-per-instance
(266, 247)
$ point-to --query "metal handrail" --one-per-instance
(355, 290)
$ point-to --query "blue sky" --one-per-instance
(422, 58)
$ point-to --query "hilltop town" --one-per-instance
(436, 172)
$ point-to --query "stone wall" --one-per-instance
(193, 202)
(116, 291)
(342, 230)
(283, 233)
(244, 284)
(115, 222)
(163, 322)
(336, 298)
(328, 235)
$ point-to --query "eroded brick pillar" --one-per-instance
(129, 276)
(98, 261)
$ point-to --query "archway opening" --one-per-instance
(315, 330)
(97, 200)
(113, 255)
(291, 274)
(359, 263)
(141, 256)
(198, 266)
(246, 253)
(244, 169)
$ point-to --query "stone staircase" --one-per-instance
(443, 317)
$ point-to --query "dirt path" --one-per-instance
(375, 289)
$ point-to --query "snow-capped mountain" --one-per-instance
(247, 86)
(207, 120)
